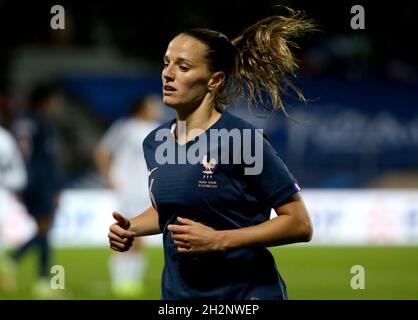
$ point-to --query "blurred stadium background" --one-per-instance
(354, 152)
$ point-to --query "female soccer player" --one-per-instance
(215, 213)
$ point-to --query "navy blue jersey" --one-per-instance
(38, 141)
(223, 196)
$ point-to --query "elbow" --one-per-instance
(307, 231)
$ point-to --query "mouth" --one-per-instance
(169, 89)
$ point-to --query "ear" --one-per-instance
(216, 80)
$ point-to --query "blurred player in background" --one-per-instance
(36, 134)
(12, 168)
(214, 217)
(120, 160)
(13, 179)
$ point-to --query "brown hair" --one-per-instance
(258, 61)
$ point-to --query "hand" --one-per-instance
(194, 237)
(120, 238)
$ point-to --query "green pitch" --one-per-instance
(310, 273)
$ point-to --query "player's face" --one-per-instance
(51, 106)
(185, 75)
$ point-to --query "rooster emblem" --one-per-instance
(209, 165)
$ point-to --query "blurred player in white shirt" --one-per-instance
(12, 168)
(120, 160)
(13, 179)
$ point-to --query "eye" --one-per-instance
(165, 65)
(184, 68)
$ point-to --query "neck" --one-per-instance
(201, 118)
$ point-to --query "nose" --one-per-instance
(168, 73)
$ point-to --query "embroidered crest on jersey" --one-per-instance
(208, 166)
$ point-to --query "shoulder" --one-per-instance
(150, 139)
(119, 124)
(4, 134)
(113, 134)
(6, 139)
(232, 121)
(145, 125)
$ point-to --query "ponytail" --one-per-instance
(264, 59)
(259, 60)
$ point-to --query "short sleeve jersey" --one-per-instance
(217, 192)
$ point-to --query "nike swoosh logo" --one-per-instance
(151, 171)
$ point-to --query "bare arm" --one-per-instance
(291, 225)
(146, 223)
